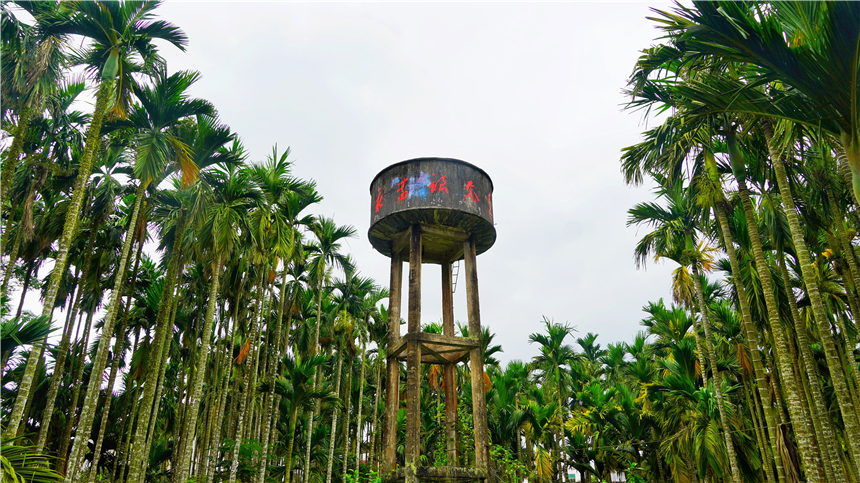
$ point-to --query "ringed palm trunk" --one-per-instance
(118, 350)
(155, 410)
(243, 400)
(127, 416)
(202, 360)
(314, 349)
(291, 437)
(136, 464)
(13, 258)
(11, 161)
(854, 272)
(76, 392)
(821, 420)
(275, 346)
(752, 343)
(358, 416)
(24, 290)
(334, 418)
(718, 380)
(227, 366)
(766, 471)
(559, 433)
(808, 449)
(822, 320)
(88, 412)
(21, 234)
(60, 362)
(347, 407)
(70, 226)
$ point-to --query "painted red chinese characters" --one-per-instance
(378, 200)
(438, 185)
(490, 203)
(401, 188)
(471, 194)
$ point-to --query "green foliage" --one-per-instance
(504, 467)
(21, 464)
(21, 331)
(741, 81)
(249, 452)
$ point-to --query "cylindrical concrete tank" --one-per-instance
(451, 195)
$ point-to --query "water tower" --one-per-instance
(432, 210)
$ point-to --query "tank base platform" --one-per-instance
(435, 348)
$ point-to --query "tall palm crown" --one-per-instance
(122, 34)
(163, 105)
(233, 195)
(327, 250)
(804, 53)
(33, 57)
(555, 354)
(675, 225)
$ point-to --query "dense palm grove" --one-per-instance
(199, 323)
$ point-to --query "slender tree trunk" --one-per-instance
(76, 392)
(846, 405)
(766, 472)
(222, 404)
(290, 439)
(27, 277)
(70, 226)
(808, 449)
(358, 416)
(13, 258)
(129, 416)
(159, 388)
(91, 397)
(118, 350)
(210, 443)
(314, 349)
(268, 403)
(59, 369)
(373, 446)
(29, 406)
(700, 346)
(12, 155)
(334, 417)
(24, 232)
(237, 381)
(137, 465)
(202, 360)
(240, 423)
(821, 421)
(211, 406)
(347, 407)
(752, 342)
(718, 380)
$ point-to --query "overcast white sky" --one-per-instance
(531, 93)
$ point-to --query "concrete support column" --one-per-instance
(476, 358)
(392, 366)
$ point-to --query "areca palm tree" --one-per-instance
(326, 254)
(685, 136)
(297, 392)
(675, 229)
(808, 60)
(161, 106)
(554, 356)
(232, 196)
(118, 31)
(33, 63)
